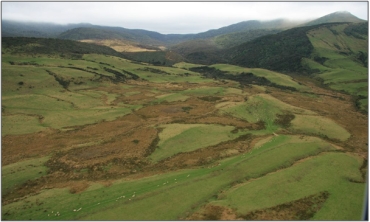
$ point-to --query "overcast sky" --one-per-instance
(173, 17)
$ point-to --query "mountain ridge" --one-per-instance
(76, 31)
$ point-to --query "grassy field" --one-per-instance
(115, 133)
(329, 172)
(274, 77)
(260, 107)
(176, 138)
(172, 196)
(319, 126)
(341, 69)
(16, 174)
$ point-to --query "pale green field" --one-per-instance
(274, 77)
(167, 196)
(17, 124)
(17, 173)
(319, 126)
(327, 172)
(260, 107)
(172, 76)
(176, 138)
(185, 65)
(342, 75)
(174, 195)
(56, 114)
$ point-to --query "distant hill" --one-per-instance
(35, 29)
(284, 51)
(206, 47)
(195, 49)
(83, 30)
(335, 17)
(104, 32)
(237, 38)
(280, 52)
(246, 26)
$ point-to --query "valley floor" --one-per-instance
(103, 138)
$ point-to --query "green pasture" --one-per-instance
(15, 174)
(33, 100)
(358, 88)
(311, 64)
(327, 172)
(57, 111)
(17, 124)
(363, 103)
(342, 75)
(322, 39)
(17, 80)
(185, 65)
(341, 69)
(176, 138)
(174, 74)
(40, 60)
(347, 64)
(168, 196)
(261, 107)
(318, 125)
(274, 77)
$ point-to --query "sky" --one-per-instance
(173, 17)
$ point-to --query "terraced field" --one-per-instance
(105, 138)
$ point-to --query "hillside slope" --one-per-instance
(336, 53)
